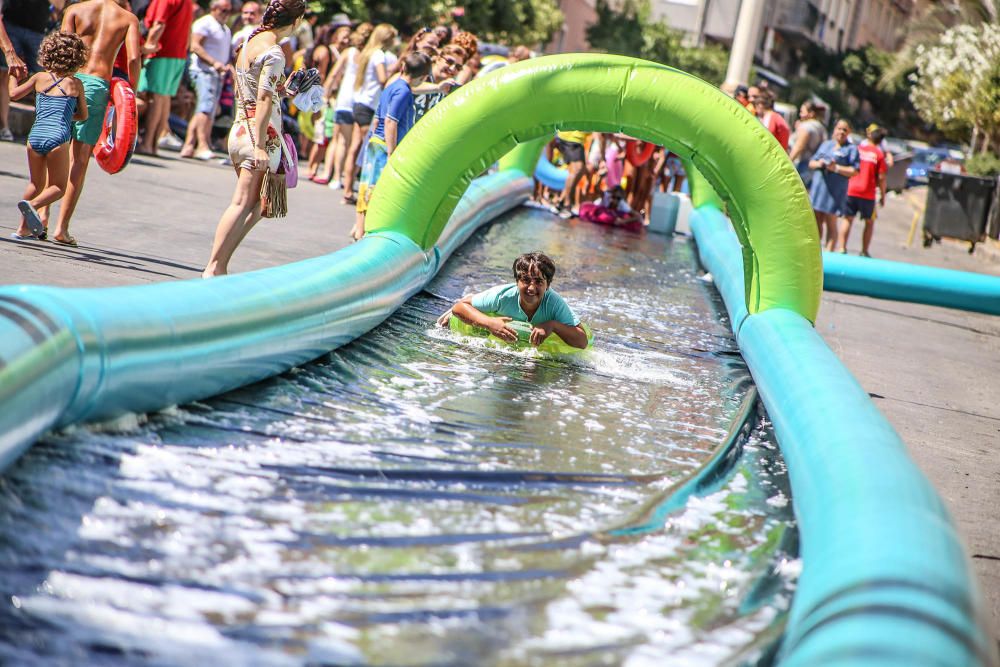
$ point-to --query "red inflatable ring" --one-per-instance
(636, 156)
(114, 148)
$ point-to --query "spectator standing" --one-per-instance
(11, 65)
(861, 189)
(340, 80)
(107, 29)
(835, 161)
(26, 22)
(809, 134)
(742, 95)
(211, 42)
(394, 118)
(570, 145)
(255, 143)
(169, 24)
(753, 93)
(372, 74)
(444, 67)
(248, 21)
(773, 121)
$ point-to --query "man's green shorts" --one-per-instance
(162, 76)
(95, 90)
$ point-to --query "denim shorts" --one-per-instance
(363, 114)
(208, 88)
(343, 117)
(26, 43)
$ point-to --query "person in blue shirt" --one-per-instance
(834, 162)
(529, 299)
(393, 119)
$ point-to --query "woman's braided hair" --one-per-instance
(279, 13)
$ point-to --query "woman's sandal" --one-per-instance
(349, 200)
(69, 241)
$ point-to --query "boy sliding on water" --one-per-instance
(527, 300)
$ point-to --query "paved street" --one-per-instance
(935, 373)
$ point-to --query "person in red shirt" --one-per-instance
(167, 43)
(861, 190)
(773, 121)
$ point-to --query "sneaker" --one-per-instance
(6, 134)
(336, 185)
(226, 162)
(204, 155)
(170, 142)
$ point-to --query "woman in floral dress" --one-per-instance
(260, 73)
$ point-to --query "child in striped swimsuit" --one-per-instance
(59, 100)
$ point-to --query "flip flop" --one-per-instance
(26, 237)
(70, 241)
(31, 217)
(349, 200)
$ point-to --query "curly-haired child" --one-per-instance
(59, 100)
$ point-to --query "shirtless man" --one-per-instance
(104, 26)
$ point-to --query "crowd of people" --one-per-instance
(210, 80)
(843, 179)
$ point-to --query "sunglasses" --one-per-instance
(451, 62)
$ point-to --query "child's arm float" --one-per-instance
(497, 326)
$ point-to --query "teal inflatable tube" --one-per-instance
(72, 355)
(550, 175)
(719, 247)
(885, 578)
(899, 281)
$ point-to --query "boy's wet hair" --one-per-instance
(535, 262)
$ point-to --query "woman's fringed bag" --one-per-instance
(273, 189)
(273, 195)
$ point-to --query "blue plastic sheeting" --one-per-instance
(72, 355)
(550, 175)
(911, 282)
(885, 579)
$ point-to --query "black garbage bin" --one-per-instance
(957, 207)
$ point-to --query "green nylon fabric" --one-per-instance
(474, 126)
(553, 344)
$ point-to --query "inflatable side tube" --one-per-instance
(885, 578)
(550, 175)
(899, 281)
(71, 355)
(721, 255)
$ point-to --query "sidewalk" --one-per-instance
(935, 373)
(155, 221)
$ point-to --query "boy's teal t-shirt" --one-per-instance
(506, 300)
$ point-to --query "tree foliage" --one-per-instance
(626, 29)
(529, 22)
(957, 82)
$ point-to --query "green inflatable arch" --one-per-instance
(475, 125)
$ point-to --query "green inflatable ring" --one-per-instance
(552, 345)
(465, 134)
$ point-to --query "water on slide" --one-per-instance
(420, 498)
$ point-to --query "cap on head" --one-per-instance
(340, 20)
